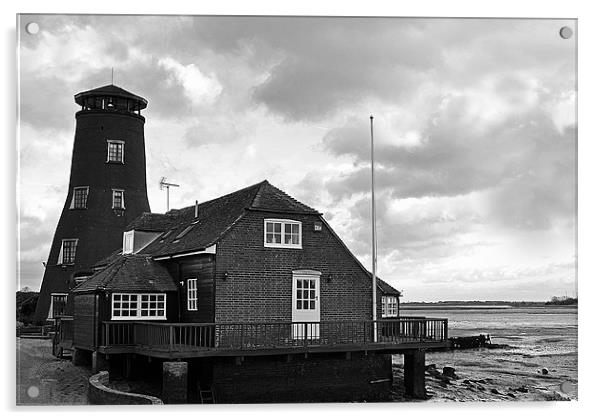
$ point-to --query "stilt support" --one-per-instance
(413, 374)
(99, 362)
(175, 382)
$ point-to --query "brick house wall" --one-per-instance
(319, 378)
(258, 285)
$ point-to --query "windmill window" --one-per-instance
(67, 252)
(118, 199)
(80, 198)
(115, 151)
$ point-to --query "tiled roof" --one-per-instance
(153, 222)
(215, 218)
(130, 273)
(107, 260)
(271, 198)
(386, 288)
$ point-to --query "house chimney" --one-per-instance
(196, 209)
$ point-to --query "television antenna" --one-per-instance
(163, 184)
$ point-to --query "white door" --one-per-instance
(306, 306)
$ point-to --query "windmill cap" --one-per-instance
(112, 91)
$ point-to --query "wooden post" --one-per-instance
(413, 374)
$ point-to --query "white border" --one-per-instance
(590, 201)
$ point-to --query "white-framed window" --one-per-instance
(191, 294)
(115, 151)
(128, 242)
(67, 252)
(58, 303)
(389, 306)
(281, 233)
(118, 201)
(138, 306)
(79, 200)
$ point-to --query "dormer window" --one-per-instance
(281, 233)
(79, 200)
(115, 151)
(136, 240)
(128, 242)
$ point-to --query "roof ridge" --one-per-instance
(181, 209)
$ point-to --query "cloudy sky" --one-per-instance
(475, 133)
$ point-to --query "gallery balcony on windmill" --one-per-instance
(110, 98)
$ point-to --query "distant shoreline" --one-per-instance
(478, 305)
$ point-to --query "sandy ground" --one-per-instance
(43, 379)
(479, 377)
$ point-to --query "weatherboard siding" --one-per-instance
(201, 268)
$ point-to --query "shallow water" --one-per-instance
(541, 337)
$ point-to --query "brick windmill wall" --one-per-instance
(107, 190)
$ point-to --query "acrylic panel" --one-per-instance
(277, 209)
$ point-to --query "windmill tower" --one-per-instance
(107, 190)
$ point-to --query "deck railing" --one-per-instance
(271, 335)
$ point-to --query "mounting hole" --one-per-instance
(566, 32)
(32, 28)
(33, 391)
(567, 387)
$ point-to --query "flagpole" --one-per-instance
(374, 314)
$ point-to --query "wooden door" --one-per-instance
(306, 306)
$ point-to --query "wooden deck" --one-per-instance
(184, 340)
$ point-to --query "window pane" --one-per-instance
(299, 303)
(312, 304)
(305, 304)
(269, 227)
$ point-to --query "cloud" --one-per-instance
(198, 88)
(474, 125)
